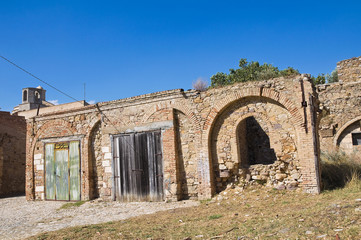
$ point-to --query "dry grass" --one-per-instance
(253, 213)
(257, 213)
(338, 169)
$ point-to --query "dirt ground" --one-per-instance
(20, 218)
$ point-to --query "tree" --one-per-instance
(328, 78)
(320, 79)
(333, 77)
(250, 71)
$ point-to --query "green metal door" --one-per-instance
(49, 172)
(74, 171)
(62, 171)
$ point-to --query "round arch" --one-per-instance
(278, 99)
(343, 128)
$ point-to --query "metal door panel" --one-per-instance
(61, 171)
(74, 171)
(49, 172)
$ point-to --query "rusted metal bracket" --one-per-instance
(304, 105)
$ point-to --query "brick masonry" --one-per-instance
(203, 148)
(12, 154)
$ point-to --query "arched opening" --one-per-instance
(186, 156)
(25, 96)
(254, 144)
(349, 139)
(254, 140)
(37, 96)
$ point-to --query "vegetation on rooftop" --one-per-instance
(254, 71)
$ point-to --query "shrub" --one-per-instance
(250, 71)
(200, 84)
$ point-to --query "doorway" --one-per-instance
(62, 171)
(138, 168)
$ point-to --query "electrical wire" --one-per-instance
(22, 69)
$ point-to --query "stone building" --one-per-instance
(32, 98)
(177, 144)
(340, 118)
(12, 154)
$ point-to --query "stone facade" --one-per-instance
(12, 154)
(340, 108)
(256, 131)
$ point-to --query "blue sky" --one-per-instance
(126, 48)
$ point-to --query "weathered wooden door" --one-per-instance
(62, 171)
(138, 170)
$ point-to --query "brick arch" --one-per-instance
(30, 180)
(346, 125)
(177, 106)
(91, 160)
(67, 126)
(296, 116)
(264, 94)
(94, 122)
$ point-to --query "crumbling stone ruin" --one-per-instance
(12, 154)
(340, 105)
(177, 144)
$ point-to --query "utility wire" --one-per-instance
(22, 69)
(118, 132)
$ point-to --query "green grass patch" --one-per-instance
(216, 216)
(72, 204)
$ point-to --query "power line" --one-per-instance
(118, 132)
(22, 69)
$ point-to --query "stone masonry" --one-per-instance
(256, 131)
(349, 70)
(340, 108)
(12, 154)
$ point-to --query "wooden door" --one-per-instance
(138, 170)
(62, 171)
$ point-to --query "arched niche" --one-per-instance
(95, 167)
(254, 138)
(348, 138)
(185, 138)
(25, 96)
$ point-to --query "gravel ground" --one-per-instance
(20, 218)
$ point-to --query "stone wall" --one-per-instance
(349, 70)
(12, 154)
(340, 115)
(203, 138)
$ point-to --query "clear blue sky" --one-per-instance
(126, 48)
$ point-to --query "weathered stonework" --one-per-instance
(340, 115)
(204, 147)
(340, 108)
(349, 70)
(12, 154)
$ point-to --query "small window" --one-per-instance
(37, 95)
(356, 138)
(25, 96)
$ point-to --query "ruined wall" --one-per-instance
(340, 109)
(12, 154)
(204, 137)
(267, 151)
(349, 70)
(340, 115)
